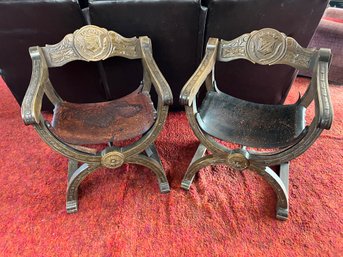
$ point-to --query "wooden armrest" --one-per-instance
(324, 110)
(32, 103)
(192, 86)
(162, 88)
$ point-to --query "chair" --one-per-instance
(75, 127)
(267, 135)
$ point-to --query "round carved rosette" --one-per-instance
(112, 160)
(92, 43)
(238, 161)
(266, 46)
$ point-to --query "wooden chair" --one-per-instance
(281, 129)
(76, 126)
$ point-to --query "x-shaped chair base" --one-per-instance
(238, 161)
(78, 173)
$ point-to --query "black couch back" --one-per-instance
(175, 28)
(179, 30)
(30, 23)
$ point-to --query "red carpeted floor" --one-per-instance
(122, 213)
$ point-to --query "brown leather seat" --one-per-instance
(95, 123)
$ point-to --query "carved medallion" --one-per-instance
(92, 43)
(238, 161)
(112, 160)
(266, 46)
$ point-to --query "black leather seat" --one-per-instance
(256, 125)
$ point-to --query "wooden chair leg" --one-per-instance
(193, 167)
(153, 164)
(74, 179)
(280, 186)
(72, 166)
(284, 174)
(151, 151)
(281, 213)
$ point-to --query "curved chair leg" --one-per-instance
(278, 183)
(151, 151)
(74, 180)
(153, 165)
(190, 173)
(198, 163)
(72, 166)
(280, 186)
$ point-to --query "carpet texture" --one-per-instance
(329, 34)
(122, 213)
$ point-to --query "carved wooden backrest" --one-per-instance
(91, 43)
(267, 47)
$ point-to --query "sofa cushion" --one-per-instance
(176, 31)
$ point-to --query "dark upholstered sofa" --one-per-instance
(179, 30)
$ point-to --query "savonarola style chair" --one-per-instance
(76, 127)
(267, 135)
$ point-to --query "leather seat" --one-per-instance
(257, 125)
(96, 123)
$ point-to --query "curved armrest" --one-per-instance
(32, 103)
(324, 110)
(192, 86)
(162, 88)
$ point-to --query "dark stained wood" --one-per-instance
(94, 123)
(251, 124)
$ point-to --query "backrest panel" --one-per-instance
(91, 43)
(267, 47)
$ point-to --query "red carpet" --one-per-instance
(122, 213)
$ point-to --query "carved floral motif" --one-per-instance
(236, 47)
(62, 52)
